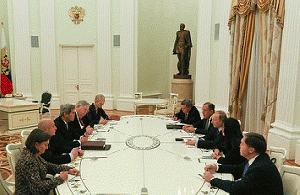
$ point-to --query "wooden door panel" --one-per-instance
(70, 77)
(87, 78)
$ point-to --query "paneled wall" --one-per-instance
(212, 70)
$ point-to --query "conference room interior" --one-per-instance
(122, 47)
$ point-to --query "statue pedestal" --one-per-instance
(183, 87)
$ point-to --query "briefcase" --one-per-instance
(93, 145)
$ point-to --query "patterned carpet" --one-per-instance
(5, 169)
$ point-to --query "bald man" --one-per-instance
(49, 127)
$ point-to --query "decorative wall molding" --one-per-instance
(48, 53)
(22, 48)
(109, 102)
(104, 52)
(125, 103)
(284, 139)
(286, 128)
(223, 68)
(127, 64)
(202, 80)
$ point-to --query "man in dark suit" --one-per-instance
(215, 134)
(96, 112)
(257, 176)
(82, 123)
(203, 126)
(65, 138)
(49, 127)
(188, 114)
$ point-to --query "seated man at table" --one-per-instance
(81, 123)
(96, 112)
(65, 138)
(211, 140)
(49, 127)
(203, 126)
(258, 175)
(188, 114)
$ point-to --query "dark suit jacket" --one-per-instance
(200, 126)
(232, 156)
(192, 118)
(55, 159)
(231, 149)
(76, 126)
(64, 139)
(211, 140)
(262, 178)
(95, 114)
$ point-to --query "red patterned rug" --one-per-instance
(5, 168)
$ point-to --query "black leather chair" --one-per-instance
(45, 102)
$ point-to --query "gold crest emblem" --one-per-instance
(76, 13)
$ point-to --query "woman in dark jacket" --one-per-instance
(31, 169)
(231, 144)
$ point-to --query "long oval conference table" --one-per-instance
(144, 158)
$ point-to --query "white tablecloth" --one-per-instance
(144, 159)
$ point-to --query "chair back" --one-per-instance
(46, 98)
(4, 189)
(24, 134)
(138, 95)
(245, 133)
(173, 98)
(291, 179)
(173, 95)
(45, 103)
(277, 155)
(13, 154)
(170, 107)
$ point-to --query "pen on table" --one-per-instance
(73, 178)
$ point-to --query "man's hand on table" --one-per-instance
(189, 129)
(191, 142)
(83, 139)
(89, 130)
(74, 172)
(207, 176)
(103, 121)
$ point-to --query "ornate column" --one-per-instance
(21, 50)
(223, 68)
(47, 48)
(286, 128)
(204, 91)
(128, 50)
(104, 52)
(202, 80)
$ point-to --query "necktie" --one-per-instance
(245, 169)
(81, 122)
(186, 115)
(67, 126)
(206, 125)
